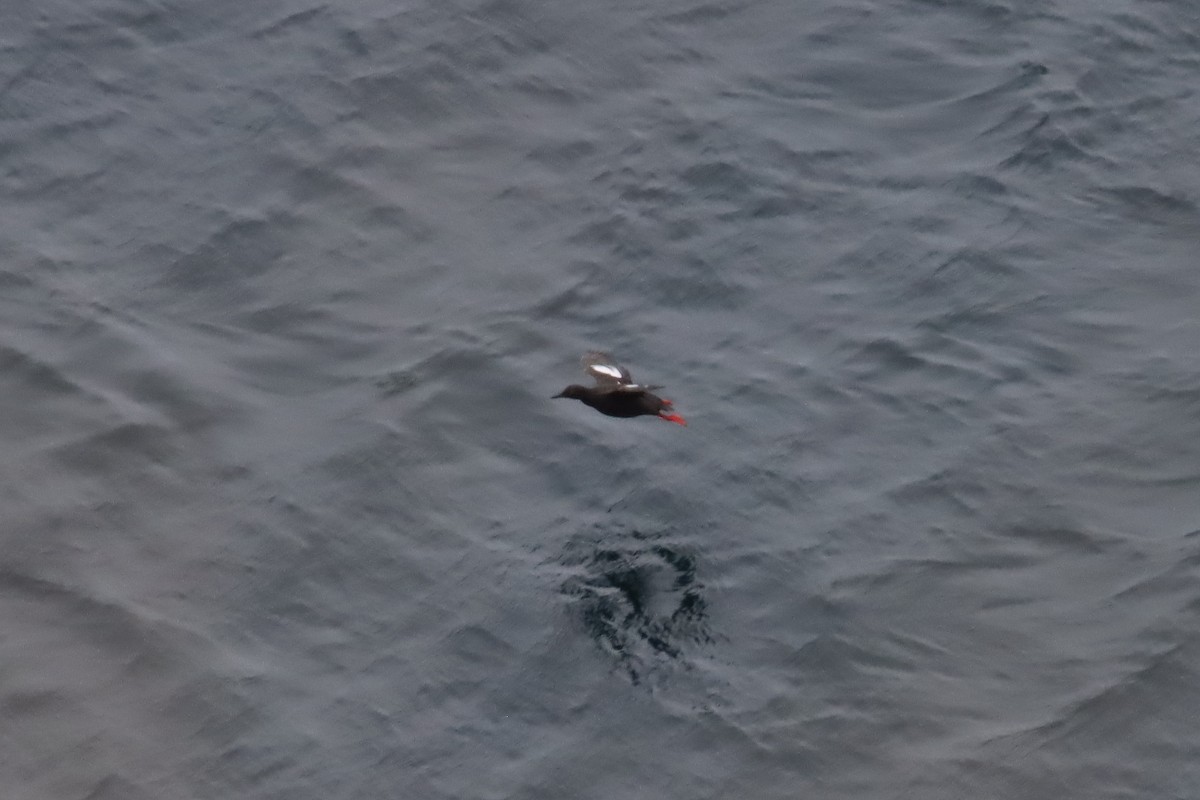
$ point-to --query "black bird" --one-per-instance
(615, 393)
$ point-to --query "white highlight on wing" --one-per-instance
(608, 370)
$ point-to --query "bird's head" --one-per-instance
(574, 391)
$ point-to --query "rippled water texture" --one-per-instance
(288, 509)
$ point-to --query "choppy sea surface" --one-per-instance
(288, 512)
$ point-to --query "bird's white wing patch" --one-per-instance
(607, 369)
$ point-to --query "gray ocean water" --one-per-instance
(288, 511)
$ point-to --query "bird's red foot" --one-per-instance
(674, 418)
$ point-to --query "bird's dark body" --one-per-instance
(615, 393)
(618, 402)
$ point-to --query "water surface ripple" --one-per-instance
(286, 289)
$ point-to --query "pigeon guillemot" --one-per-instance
(615, 393)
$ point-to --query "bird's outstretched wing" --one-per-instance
(605, 369)
(609, 374)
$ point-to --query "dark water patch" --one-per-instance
(1086, 543)
(979, 186)
(647, 190)
(813, 163)
(116, 787)
(790, 88)
(1182, 393)
(563, 155)
(618, 235)
(975, 287)
(1128, 33)
(371, 469)
(167, 24)
(281, 26)
(703, 13)
(1148, 205)
(984, 101)
(980, 10)
(977, 266)
(36, 374)
(132, 656)
(493, 42)
(1162, 681)
(13, 277)
(295, 321)
(785, 203)
(189, 407)
(293, 349)
(991, 340)
(949, 488)
(1046, 147)
(230, 258)
(639, 599)
(396, 382)
(697, 282)
(718, 179)
(110, 452)
(885, 355)
(1179, 579)
(650, 190)
(311, 549)
(556, 93)
(426, 93)
(582, 300)
(347, 180)
(770, 482)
